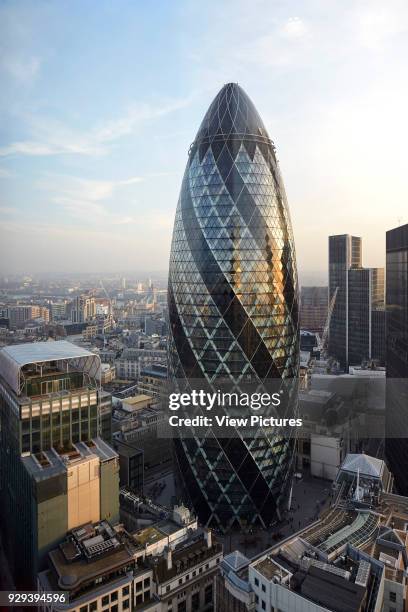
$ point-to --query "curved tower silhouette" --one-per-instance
(233, 307)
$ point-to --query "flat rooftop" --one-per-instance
(268, 568)
(332, 591)
(71, 574)
(45, 465)
(147, 536)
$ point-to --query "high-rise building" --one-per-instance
(313, 308)
(233, 307)
(344, 253)
(83, 308)
(396, 444)
(356, 334)
(365, 296)
(55, 472)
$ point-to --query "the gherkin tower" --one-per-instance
(233, 307)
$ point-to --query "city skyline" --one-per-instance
(93, 157)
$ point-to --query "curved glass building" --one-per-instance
(233, 307)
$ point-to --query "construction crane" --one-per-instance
(110, 311)
(323, 342)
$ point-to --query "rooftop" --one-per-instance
(236, 561)
(47, 464)
(186, 556)
(364, 464)
(332, 591)
(87, 553)
(13, 358)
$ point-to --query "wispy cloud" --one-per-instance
(51, 137)
(86, 199)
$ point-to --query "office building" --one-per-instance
(344, 253)
(365, 297)
(141, 424)
(396, 443)
(313, 308)
(356, 334)
(353, 558)
(19, 314)
(55, 472)
(58, 310)
(131, 465)
(96, 567)
(82, 308)
(165, 567)
(233, 307)
(153, 380)
(133, 360)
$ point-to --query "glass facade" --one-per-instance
(233, 306)
(56, 408)
(344, 253)
(396, 444)
(356, 333)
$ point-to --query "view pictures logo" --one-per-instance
(207, 401)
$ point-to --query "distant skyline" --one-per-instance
(100, 102)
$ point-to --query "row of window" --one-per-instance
(106, 600)
(195, 600)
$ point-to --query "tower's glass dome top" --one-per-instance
(231, 112)
(233, 301)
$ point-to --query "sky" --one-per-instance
(101, 100)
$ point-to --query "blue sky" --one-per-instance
(101, 100)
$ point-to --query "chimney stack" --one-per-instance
(169, 558)
(208, 538)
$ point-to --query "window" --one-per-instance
(83, 609)
(114, 608)
(167, 588)
(139, 599)
(139, 585)
(125, 591)
(393, 596)
(125, 604)
(195, 602)
(105, 600)
(207, 566)
(256, 599)
(93, 606)
(208, 594)
(263, 605)
(180, 581)
(146, 582)
(114, 596)
(256, 582)
(263, 588)
(182, 607)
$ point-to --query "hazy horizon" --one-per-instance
(100, 106)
